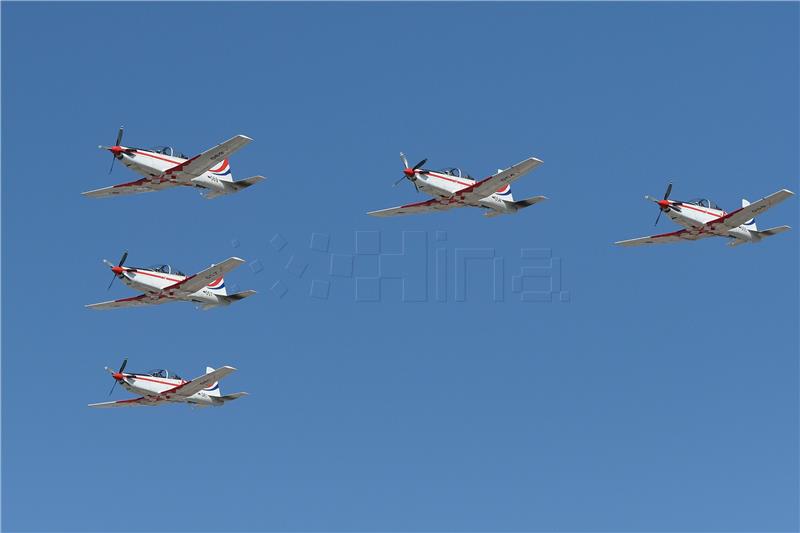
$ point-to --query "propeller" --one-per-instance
(665, 204)
(118, 376)
(117, 150)
(116, 269)
(410, 173)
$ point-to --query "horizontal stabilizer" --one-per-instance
(773, 231)
(234, 186)
(234, 396)
(228, 299)
(759, 235)
(238, 296)
(245, 183)
(527, 202)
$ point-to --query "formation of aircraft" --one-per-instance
(702, 218)
(163, 167)
(159, 387)
(161, 284)
(451, 188)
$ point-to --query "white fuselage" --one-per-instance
(444, 186)
(149, 386)
(696, 217)
(156, 282)
(153, 164)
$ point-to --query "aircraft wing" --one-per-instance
(419, 207)
(675, 236)
(194, 283)
(196, 166)
(740, 216)
(132, 187)
(134, 301)
(198, 384)
(133, 402)
(488, 186)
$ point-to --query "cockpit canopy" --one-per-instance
(165, 269)
(704, 202)
(455, 172)
(162, 373)
(166, 150)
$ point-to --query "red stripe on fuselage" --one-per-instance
(447, 178)
(143, 378)
(157, 276)
(148, 154)
(703, 210)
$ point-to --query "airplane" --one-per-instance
(451, 188)
(162, 284)
(702, 218)
(163, 167)
(158, 387)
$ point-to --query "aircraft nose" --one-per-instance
(116, 150)
(409, 172)
(118, 270)
(663, 203)
(117, 376)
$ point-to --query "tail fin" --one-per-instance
(233, 186)
(750, 224)
(222, 171)
(505, 193)
(213, 389)
(218, 287)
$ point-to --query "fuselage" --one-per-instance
(152, 163)
(445, 184)
(148, 385)
(150, 281)
(696, 216)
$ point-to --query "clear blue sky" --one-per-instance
(662, 395)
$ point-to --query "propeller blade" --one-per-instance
(121, 369)
(404, 160)
(415, 167)
(669, 190)
(114, 156)
(396, 183)
(651, 198)
(415, 185)
(109, 263)
(658, 217)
